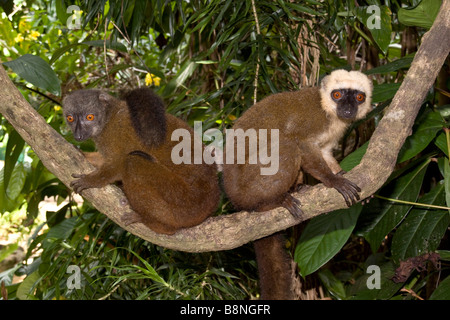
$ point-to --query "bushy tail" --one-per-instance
(274, 268)
(148, 115)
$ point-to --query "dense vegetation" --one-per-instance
(210, 60)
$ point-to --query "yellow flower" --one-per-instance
(24, 26)
(152, 79)
(34, 35)
(18, 38)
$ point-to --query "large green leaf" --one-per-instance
(424, 132)
(384, 91)
(442, 292)
(354, 158)
(385, 218)
(395, 65)
(422, 229)
(37, 71)
(423, 15)
(323, 237)
(377, 19)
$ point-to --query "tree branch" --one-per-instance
(231, 231)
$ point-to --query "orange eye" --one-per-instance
(70, 119)
(360, 97)
(336, 95)
(90, 117)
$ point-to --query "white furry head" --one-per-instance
(342, 79)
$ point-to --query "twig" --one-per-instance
(104, 50)
(258, 32)
(413, 203)
(415, 295)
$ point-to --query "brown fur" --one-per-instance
(277, 282)
(309, 129)
(165, 197)
(304, 128)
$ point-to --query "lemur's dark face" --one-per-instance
(347, 102)
(346, 94)
(85, 113)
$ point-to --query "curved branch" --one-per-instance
(231, 231)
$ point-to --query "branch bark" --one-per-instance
(231, 231)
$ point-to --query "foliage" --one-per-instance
(203, 58)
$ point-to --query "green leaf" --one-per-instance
(36, 71)
(377, 19)
(447, 181)
(423, 15)
(61, 11)
(301, 8)
(422, 229)
(361, 291)
(424, 132)
(184, 73)
(139, 15)
(3, 198)
(384, 91)
(444, 254)
(323, 237)
(442, 292)
(333, 285)
(354, 158)
(148, 271)
(63, 230)
(7, 32)
(402, 63)
(113, 45)
(25, 288)
(17, 182)
(387, 216)
(13, 150)
(60, 51)
(7, 250)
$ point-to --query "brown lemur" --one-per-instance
(311, 122)
(133, 139)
